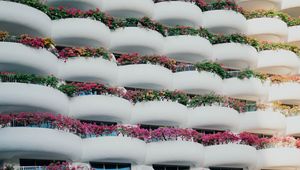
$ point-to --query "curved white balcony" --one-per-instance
(175, 13)
(278, 62)
(101, 108)
(78, 4)
(230, 155)
(262, 122)
(19, 97)
(160, 113)
(279, 158)
(195, 82)
(293, 126)
(39, 143)
(287, 93)
(137, 40)
(267, 29)
(15, 57)
(235, 55)
(224, 22)
(145, 76)
(251, 5)
(128, 8)
(24, 21)
(197, 50)
(213, 117)
(89, 70)
(293, 36)
(175, 153)
(114, 149)
(80, 32)
(247, 89)
(291, 7)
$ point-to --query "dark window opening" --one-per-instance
(208, 131)
(99, 122)
(150, 127)
(170, 167)
(38, 162)
(222, 168)
(103, 166)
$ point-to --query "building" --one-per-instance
(144, 85)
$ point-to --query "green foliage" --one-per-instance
(30, 78)
(247, 74)
(205, 100)
(290, 21)
(68, 89)
(213, 68)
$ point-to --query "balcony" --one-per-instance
(160, 113)
(89, 70)
(137, 40)
(293, 126)
(114, 149)
(293, 36)
(175, 153)
(190, 49)
(287, 93)
(279, 158)
(15, 57)
(145, 76)
(80, 32)
(78, 4)
(39, 143)
(100, 108)
(235, 55)
(128, 8)
(291, 7)
(247, 89)
(281, 62)
(173, 13)
(19, 97)
(195, 82)
(24, 21)
(213, 117)
(230, 155)
(224, 22)
(262, 122)
(251, 5)
(267, 29)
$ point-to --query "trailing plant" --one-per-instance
(27, 40)
(213, 68)
(205, 100)
(136, 96)
(29, 78)
(287, 110)
(236, 104)
(247, 74)
(214, 5)
(79, 88)
(277, 79)
(89, 130)
(126, 59)
(114, 23)
(71, 52)
(290, 21)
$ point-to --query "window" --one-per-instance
(99, 122)
(206, 131)
(170, 167)
(37, 162)
(222, 168)
(110, 166)
(150, 127)
(250, 106)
